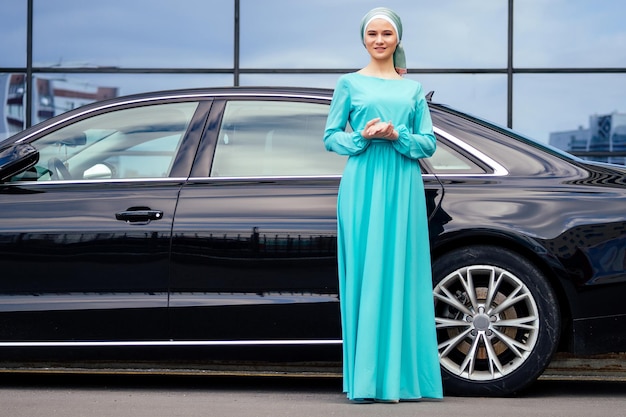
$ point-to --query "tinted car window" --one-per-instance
(128, 143)
(274, 138)
(447, 160)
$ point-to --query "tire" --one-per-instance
(497, 321)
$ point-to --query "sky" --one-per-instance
(441, 34)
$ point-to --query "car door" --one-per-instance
(254, 238)
(85, 234)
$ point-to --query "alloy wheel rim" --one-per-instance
(487, 322)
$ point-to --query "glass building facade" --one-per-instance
(538, 66)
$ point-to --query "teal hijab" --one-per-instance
(399, 59)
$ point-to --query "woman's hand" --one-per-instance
(379, 130)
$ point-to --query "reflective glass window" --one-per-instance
(57, 93)
(572, 33)
(133, 34)
(130, 143)
(274, 138)
(325, 33)
(481, 95)
(290, 80)
(455, 34)
(447, 160)
(545, 105)
(12, 104)
(13, 24)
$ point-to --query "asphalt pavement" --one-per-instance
(38, 395)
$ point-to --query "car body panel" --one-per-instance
(72, 271)
(271, 244)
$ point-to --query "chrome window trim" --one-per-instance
(498, 169)
(169, 343)
(97, 181)
(268, 178)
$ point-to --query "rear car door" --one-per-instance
(254, 238)
(85, 234)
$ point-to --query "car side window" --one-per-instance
(129, 143)
(447, 160)
(274, 138)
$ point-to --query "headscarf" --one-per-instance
(399, 59)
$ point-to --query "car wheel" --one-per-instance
(497, 321)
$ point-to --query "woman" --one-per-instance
(385, 284)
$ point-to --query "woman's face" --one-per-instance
(380, 39)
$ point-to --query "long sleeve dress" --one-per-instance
(385, 282)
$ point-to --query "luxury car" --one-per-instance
(196, 229)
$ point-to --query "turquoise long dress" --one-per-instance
(385, 284)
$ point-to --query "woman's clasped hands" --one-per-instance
(375, 129)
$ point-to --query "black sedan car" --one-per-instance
(196, 229)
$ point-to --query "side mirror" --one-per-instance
(16, 158)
